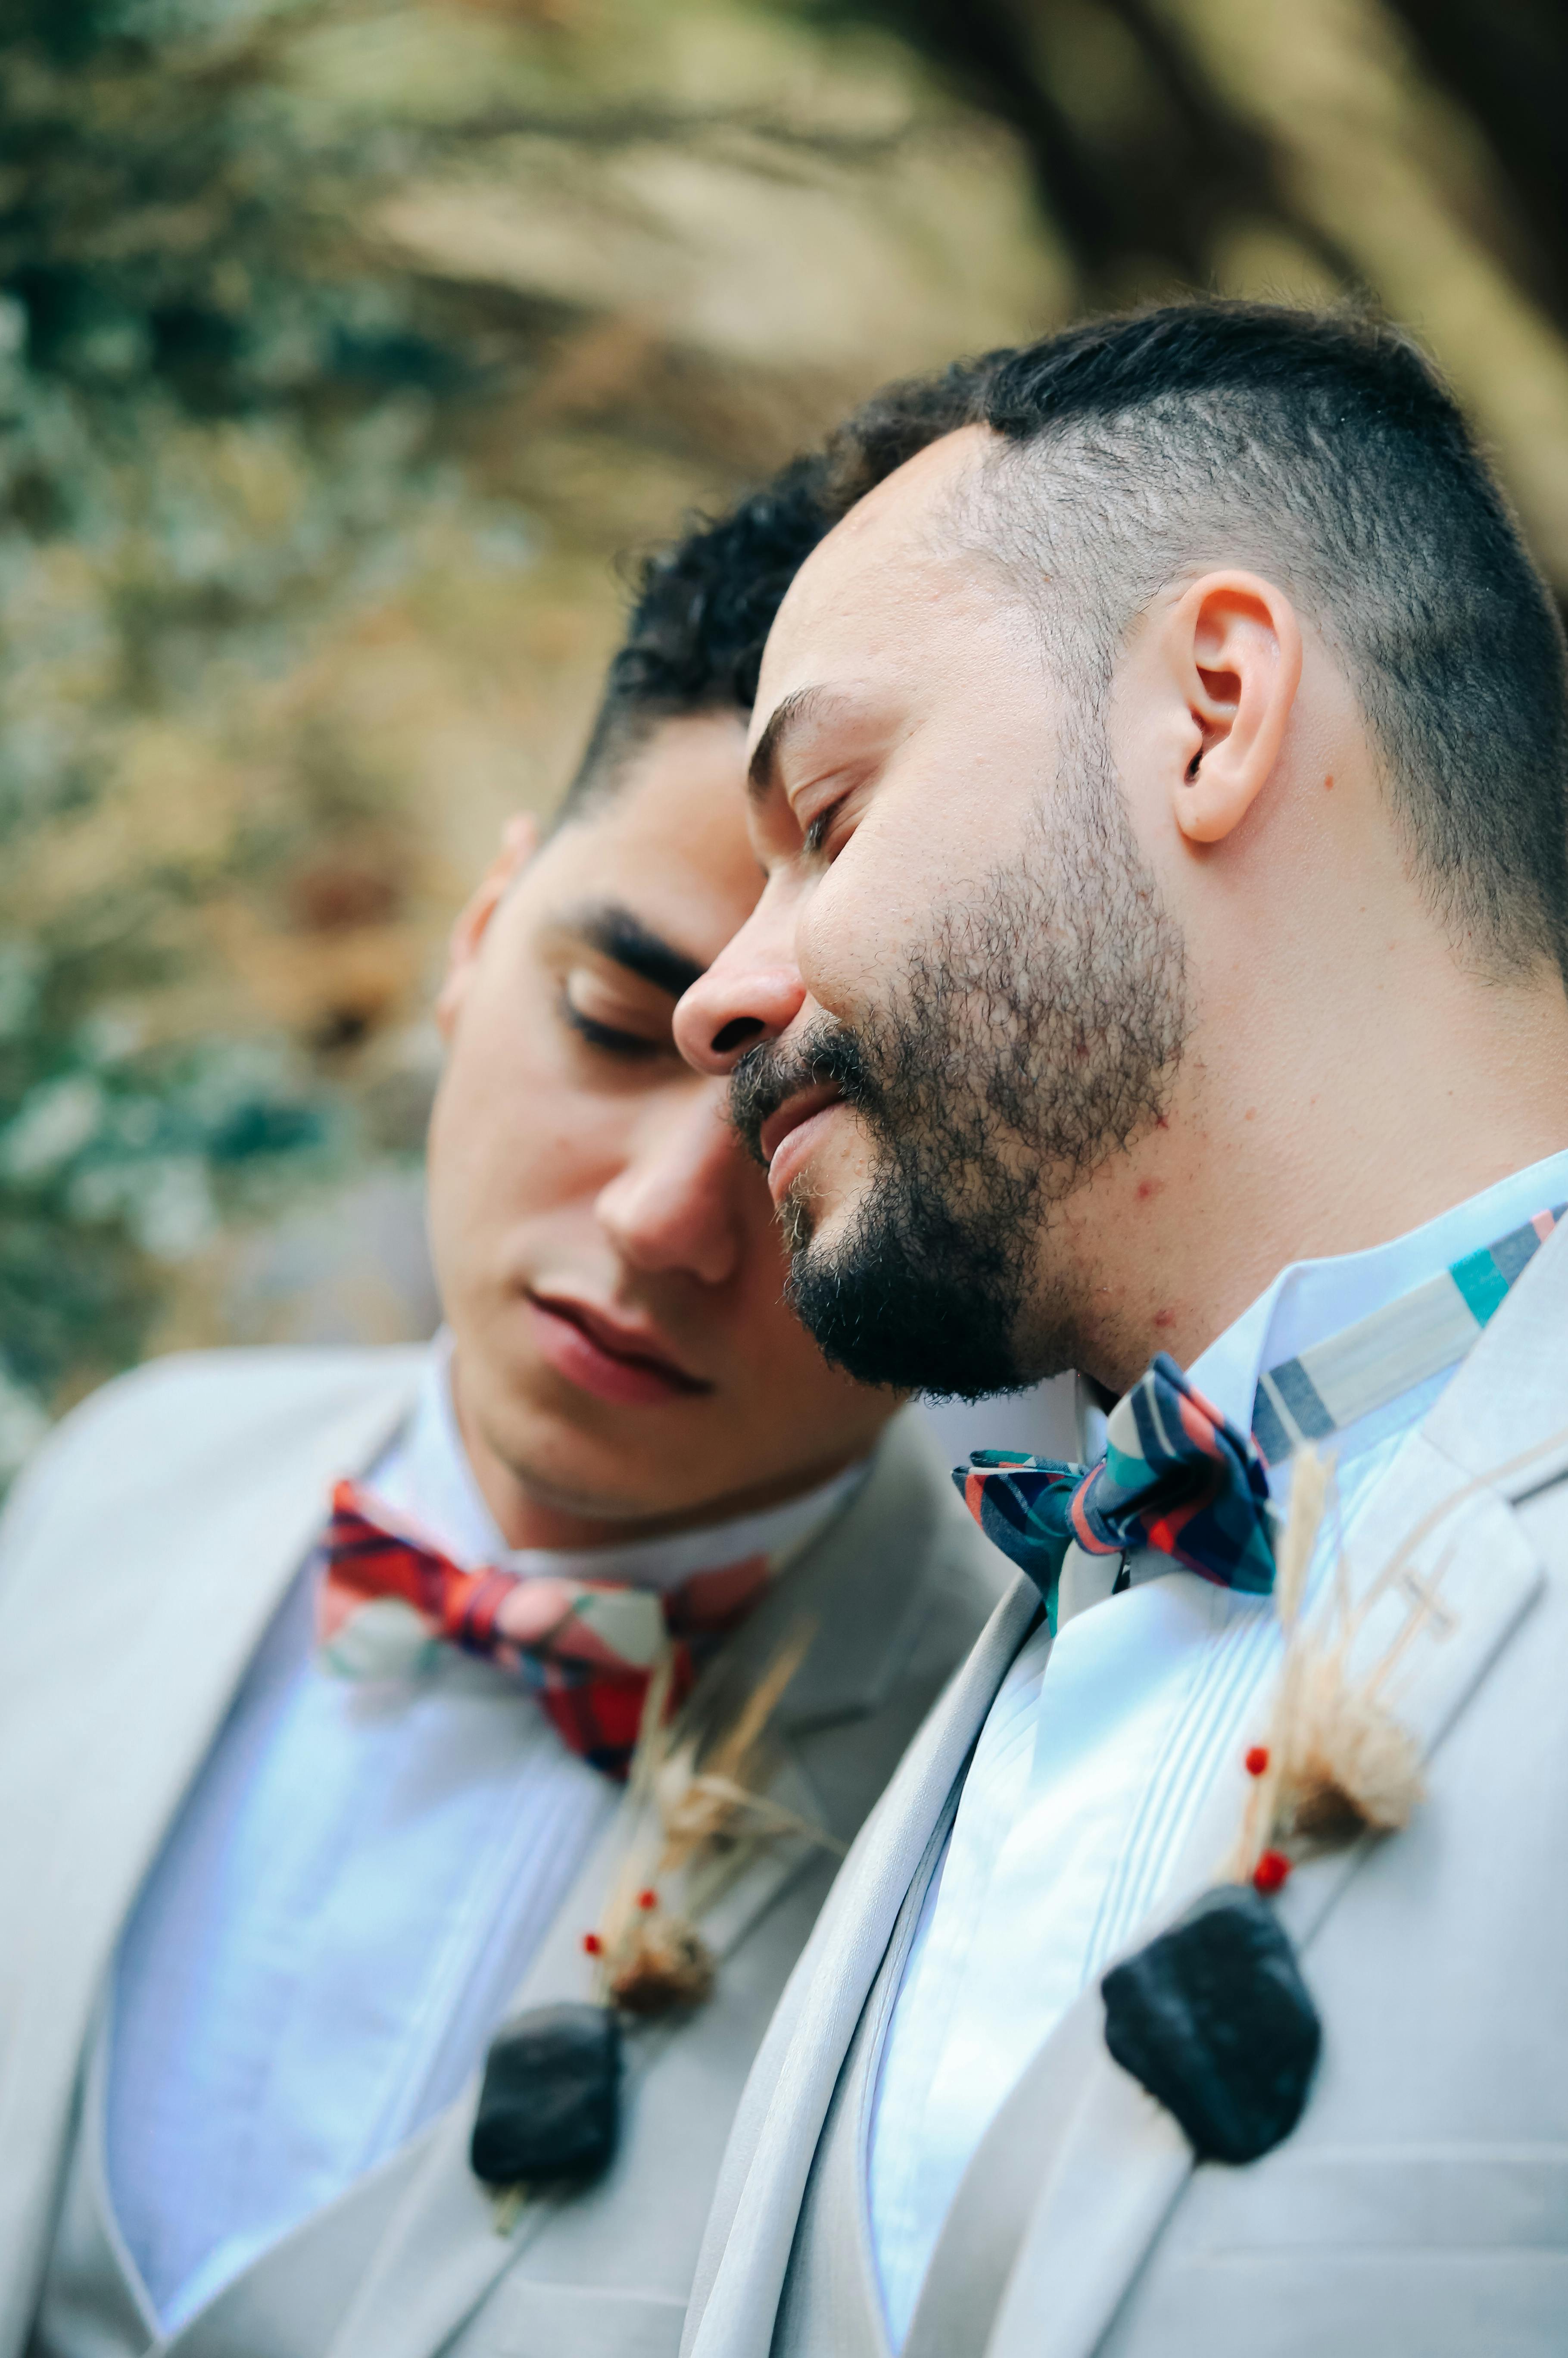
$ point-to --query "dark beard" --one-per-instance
(912, 1280)
(1034, 1035)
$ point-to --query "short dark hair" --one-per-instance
(1323, 448)
(701, 611)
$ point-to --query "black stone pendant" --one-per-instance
(549, 2103)
(1215, 2021)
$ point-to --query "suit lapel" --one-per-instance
(1081, 2167)
(787, 2098)
(155, 1654)
(442, 2249)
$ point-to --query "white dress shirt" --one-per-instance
(1096, 1755)
(352, 1890)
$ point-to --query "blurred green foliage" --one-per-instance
(217, 405)
(240, 413)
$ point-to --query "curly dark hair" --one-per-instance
(701, 611)
(703, 606)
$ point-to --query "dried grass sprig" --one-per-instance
(1335, 1760)
(711, 1824)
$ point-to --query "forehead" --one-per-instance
(670, 842)
(899, 571)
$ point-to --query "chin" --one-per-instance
(594, 1461)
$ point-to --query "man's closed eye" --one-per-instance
(612, 1039)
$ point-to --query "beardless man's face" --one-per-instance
(607, 1254)
(974, 991)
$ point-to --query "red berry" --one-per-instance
(647, 1899)
(1270, 1872)
(593, 1944)
(1256, 1761)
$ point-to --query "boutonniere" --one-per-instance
(699, 1817)
(1333, 1761)
(1213, 2017)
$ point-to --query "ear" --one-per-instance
(519, 841)
(1235, 646)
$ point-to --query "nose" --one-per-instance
(753, 991)
(675, 1205)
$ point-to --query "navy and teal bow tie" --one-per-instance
(1175, 1476)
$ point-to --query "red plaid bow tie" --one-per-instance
(587, 1648)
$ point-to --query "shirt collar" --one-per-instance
(1311, 1300)
(426, 1474)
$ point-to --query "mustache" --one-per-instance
(771, 1073)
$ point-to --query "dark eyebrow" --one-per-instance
(761, 773)
(616, 934)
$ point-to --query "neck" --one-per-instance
(1382, 1096)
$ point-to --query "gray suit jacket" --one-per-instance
(1422, 2207)
(140, 1564)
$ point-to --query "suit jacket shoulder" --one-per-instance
(143, 1430)
(170, 1434)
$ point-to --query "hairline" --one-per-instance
(603, 776)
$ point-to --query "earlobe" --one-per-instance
(519, 841)
(1237, 645)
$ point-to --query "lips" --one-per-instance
(623, 1363)
(788, 1135)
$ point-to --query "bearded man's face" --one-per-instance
(1030, 1036)
(962, 990)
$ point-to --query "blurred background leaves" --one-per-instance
(344, 344)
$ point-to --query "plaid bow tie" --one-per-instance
(1175, 1476)
(587, 1648)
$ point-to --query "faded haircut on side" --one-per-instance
(1322, 450)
